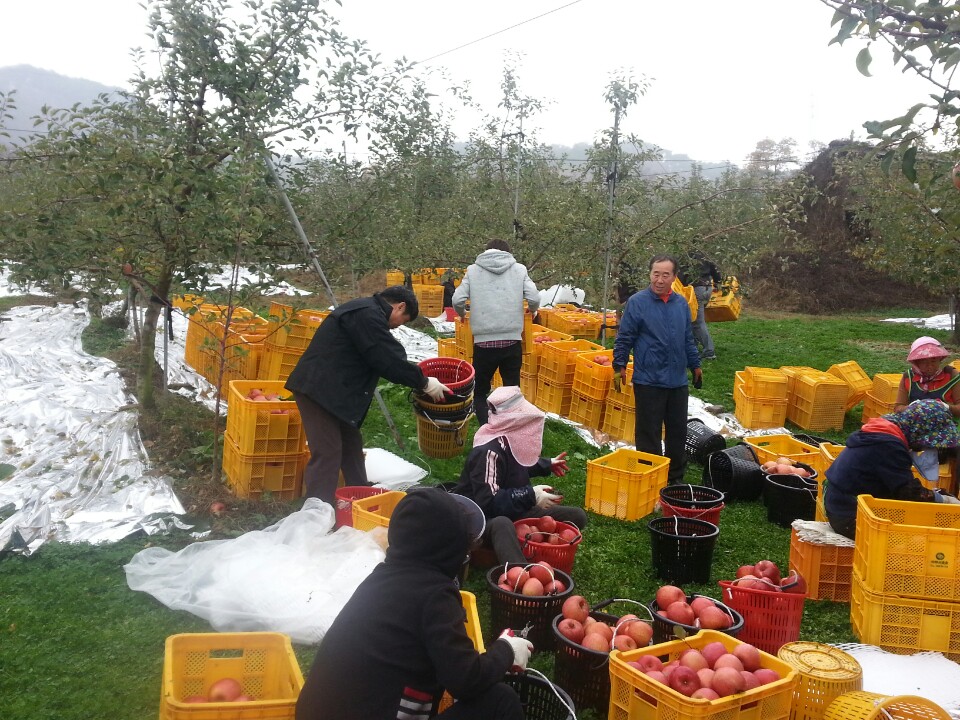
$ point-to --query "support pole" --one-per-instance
(612, 185)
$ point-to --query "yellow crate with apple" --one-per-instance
(636, 694)
(263, 419)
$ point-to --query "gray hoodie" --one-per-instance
(496, 286)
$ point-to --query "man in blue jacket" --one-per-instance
(656, 327)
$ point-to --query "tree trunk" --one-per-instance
(148, 342)
(954, 307)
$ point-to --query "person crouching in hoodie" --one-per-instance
(401, 638)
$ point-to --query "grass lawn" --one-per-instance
(76, 643)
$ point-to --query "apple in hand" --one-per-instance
(684, 680)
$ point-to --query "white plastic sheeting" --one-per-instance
(293, 577)
(81, 472)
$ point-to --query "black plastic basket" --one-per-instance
(682, 548)
(692, 497)
(811, 478)
(814, 440)
(735, 472)
(539, 698)
(583, 672)
(663, 627)
(789, 498)
(701, 441)
(528, 616)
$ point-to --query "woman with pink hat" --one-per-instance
(496, 475)
(928, 378)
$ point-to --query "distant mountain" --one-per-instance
(36, 88)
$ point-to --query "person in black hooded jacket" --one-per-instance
(401, 637)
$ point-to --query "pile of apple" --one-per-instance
(784, 466)
(709, 673)
(765, 575)
(223, 690)
(577, 626)
(534, 580)
(545, 530)
(257, 395)
(602, 360)
(702, 612)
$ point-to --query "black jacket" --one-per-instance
(351, 350)
(401, 636)
(495, 481)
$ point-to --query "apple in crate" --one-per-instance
(684, 680)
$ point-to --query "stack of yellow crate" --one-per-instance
(221, 352)
(882, 397)
(619, 414)
(430, 298)
(760, 397)
(287, 341)
(858, 382)
(906, 576)
(725, 304)
(555, 375)
(529, 371)
(592, 381)
(264, 448)
(818, 401)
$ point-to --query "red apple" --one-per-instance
(523, 530)
(751, 582)
(225, 690)
(628, 618)
(571, 629)
(554, 539)
(745, 570)
(748, 655)
(670, 667)
(712, 651)
(596, 642)
(681, 613)
(713, 618)
(794, 583)
(727, 681)
(766, 675)
(693, 659)
(568, 535)
(542, 571)
(603, 630)
(658, 676)
(554, 587)
(729, 660)
(532, 587)
(517, 577)
(624, 642)
(640, 631)
(649, 663)
(576, 608)
(699, 603)
(705, 693)
(547, 524)
(749, 680)
(706, 677)
(768, 569)
(669, 594)
(684, 680)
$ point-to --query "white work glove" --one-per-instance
(949, 499)
(545, 496)
(435, 389)
(522, 649)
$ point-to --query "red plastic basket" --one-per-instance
(452, 372)
(345, 496)
(770, 618)
(560, 556)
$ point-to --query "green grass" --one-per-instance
(76, 643)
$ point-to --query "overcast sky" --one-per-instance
(724, 74)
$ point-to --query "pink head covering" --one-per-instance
(926, 347)
(515, 419)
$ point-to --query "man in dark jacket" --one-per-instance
(656, 327)
(704, 275)
(401, 637)
(334, 380)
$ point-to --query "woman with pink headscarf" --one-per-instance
(928, 378)
(496, 476)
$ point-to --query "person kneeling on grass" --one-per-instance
(496, 476)
(880, 457)
(401, 638)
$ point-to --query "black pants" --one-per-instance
(500, 701)
(846, 527)
(486, 361)
(662, 411)
(502, 533)
(335, 446)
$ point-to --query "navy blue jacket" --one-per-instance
(660, 335)
(496, 482)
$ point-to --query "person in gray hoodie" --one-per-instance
(496, 286)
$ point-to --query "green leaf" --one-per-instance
(847, 27)
(863, 61)
(908, 164)
(6, 470)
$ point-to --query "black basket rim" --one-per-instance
(811, 484)
(736, 627)
(695, 504)
(603, 657)
(712, 530)
(543, 685)
(495, 588)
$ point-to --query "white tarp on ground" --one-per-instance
(81, 472)
(937, 322)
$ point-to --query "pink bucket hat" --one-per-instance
(926, 347)
(520, 422)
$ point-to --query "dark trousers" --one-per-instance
(502, 533)
(486, 361)
(662, 411)
(846, 527)
(335, 446)
(499, 701)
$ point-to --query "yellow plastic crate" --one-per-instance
(263, 662)
(527, 334)
(758, 413)
(635, 696)
(277, 363)
(858, 382)
(828, 453)
(528, 385)
(619, 421)
(394, 277)
(904, 625)
(271, 427)
(824, 673)
(771, 447)
(723, 308)
(297, 333)
(945, 477)
(818, 402)
(626, 483)
(463, 336)
(472, 623)
(430, 298)
(793, 372)
(240, 360)
(592, 379)
(541, 337)
(862, 705)
(201, 334)
(558, 359)
(910, 549)
(821, 512)
(687, 293)
(375, 511)
(249, 476)
(872, 407)
(766, 383)
(186, 301)
(828, 569)
(553, 397)
(579, 324)
(586, 410)
(885, 387)
(447, 347)
(625, 396)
